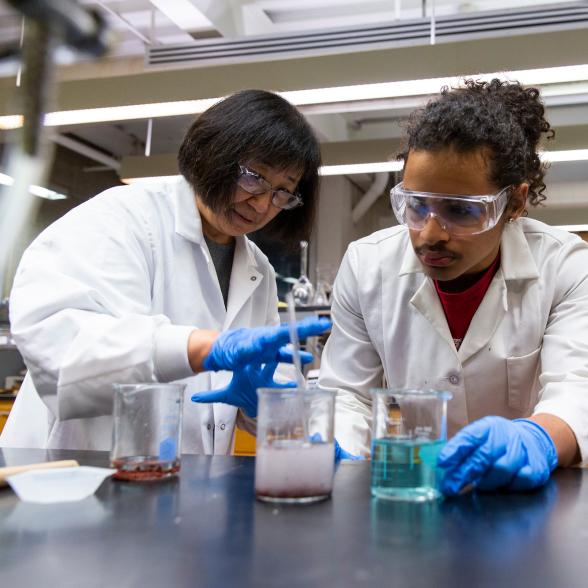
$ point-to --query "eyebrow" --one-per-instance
(269, 164)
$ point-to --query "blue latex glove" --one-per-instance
(234, 349)
(340, 454)
(494, 452)
(241, 390)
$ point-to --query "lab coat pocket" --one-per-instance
(522, 374)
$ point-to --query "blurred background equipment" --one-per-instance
(12, 368)
(302, 289)
(48, 24)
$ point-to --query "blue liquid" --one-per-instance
(405, 469)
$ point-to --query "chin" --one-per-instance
(443, 274)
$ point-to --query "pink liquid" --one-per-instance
(294, 470)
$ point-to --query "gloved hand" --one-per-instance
(241, 390)
(235, 349)
(340, 454)
(494, 452)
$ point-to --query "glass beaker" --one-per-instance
(147, 430)
(409, 429)
(295, 455)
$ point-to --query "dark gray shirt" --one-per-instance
(222, 258)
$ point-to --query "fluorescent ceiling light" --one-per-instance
(183, 14)
(148, 179)
(360, 168)
(6, 180)
(134, 112)
(567, 155)
(552, 75)
(46, 193)
(572, 228)
(326, 170)
(545, 76)
(34, 190)
(380, 166)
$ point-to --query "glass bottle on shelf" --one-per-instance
(325, 276)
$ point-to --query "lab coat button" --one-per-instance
(453, 379)
(222, 427)
(208, 426)
(253, 278)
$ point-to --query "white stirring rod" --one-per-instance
(294, 340)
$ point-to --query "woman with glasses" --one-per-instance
(468, 295)
(159, 283)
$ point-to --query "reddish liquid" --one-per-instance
(143, 471)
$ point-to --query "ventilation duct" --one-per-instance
(449, 28)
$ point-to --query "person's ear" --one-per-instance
(517, 201)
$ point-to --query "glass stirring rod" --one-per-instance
(301, 382)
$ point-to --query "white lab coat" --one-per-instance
(110, 293)
(525, 352)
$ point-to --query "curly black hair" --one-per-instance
(253, 126)
(502, 116)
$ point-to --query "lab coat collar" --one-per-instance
(245, 274)
(187, 220)
(188, 223)
(516, 261)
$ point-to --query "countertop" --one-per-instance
(205, 528)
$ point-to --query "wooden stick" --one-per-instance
(9, 471)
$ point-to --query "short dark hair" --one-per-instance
(500, 115)
(253, 126)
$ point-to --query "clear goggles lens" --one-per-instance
(255, 184)
(458, 215)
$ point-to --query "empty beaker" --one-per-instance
(295, 455)
(409, 429)
(147, 430)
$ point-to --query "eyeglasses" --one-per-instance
(458, 215)
(257, 185)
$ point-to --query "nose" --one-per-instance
(261, 202)
(433, 231)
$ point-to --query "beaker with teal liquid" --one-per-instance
(409, 429)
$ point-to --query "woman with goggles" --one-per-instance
(470, 296)
(158, 282)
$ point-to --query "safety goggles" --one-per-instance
(458, 215)
(257, 185)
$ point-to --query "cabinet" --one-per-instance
(6, 402)
(11, 364)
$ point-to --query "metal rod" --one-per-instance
(19, 72)
(433, 23)
(148, 139)
(86, 150)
